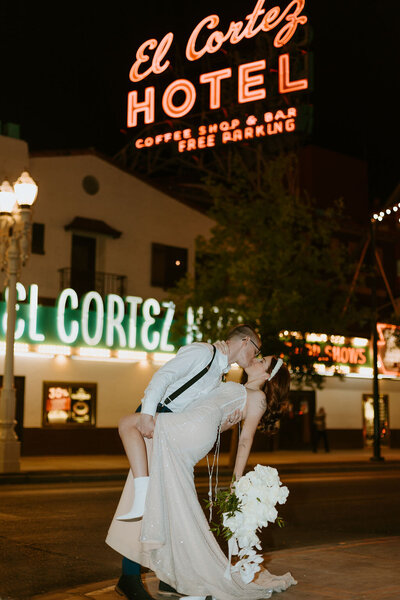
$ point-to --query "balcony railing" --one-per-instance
(103, 283)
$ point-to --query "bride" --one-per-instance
(176, 541)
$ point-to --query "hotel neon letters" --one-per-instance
(246, 91)
(214, 79)
(169, 107)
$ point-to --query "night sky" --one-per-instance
(65, 71)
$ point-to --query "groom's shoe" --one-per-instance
(164, 588)
(131, 587)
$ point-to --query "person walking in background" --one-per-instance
(320, 430)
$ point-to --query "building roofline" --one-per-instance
(112, 162)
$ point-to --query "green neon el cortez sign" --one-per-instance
(115, 322)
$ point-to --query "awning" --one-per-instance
(92, 226)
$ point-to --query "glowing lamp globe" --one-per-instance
(25, 189)
(7, 197)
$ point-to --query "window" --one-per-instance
(83, 263)
(37, 245)
(168, 265)
(69, 404)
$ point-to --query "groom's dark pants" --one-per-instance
(129, 567)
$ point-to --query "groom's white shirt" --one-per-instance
(188, 361)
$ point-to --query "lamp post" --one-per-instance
(15, 233)
(377, 428)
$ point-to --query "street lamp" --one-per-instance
(15, 233)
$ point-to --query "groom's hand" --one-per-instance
(146, 425)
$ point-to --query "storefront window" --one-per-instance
(69, 404)
(368, 419)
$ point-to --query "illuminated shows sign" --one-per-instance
(179, 97)
(338, 353)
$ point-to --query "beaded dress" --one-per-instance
(175, 533)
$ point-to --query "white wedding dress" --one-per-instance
(175, 533)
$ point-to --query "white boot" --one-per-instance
(141, 484)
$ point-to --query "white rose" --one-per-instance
(271, 513)
(242, 486)
(283, 494)
(254, 478)
(248, 566)
(248, 539)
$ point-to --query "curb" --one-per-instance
(27, 477)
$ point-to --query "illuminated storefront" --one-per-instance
(89, 361)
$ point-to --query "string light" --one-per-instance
(383, 213)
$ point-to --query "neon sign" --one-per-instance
(132, 326)
(206, 136)
(206, 38)
(237, 31)
(114, 322)
(338, 351)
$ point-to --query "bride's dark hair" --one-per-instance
(277, 392)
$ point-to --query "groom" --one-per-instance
(195, 371)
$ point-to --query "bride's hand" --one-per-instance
(221, 346)
(233, 418)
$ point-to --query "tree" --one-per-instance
(274, 259)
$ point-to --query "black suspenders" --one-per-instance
(189, 383)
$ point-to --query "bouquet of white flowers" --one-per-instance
(249, 506)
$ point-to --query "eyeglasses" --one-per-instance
(255, 345)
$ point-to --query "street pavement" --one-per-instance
(359, 570)
(360, 566)
(45, 469)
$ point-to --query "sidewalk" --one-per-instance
(359, 570)
(46, 469)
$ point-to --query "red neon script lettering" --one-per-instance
(238, 31)
(142, 57)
